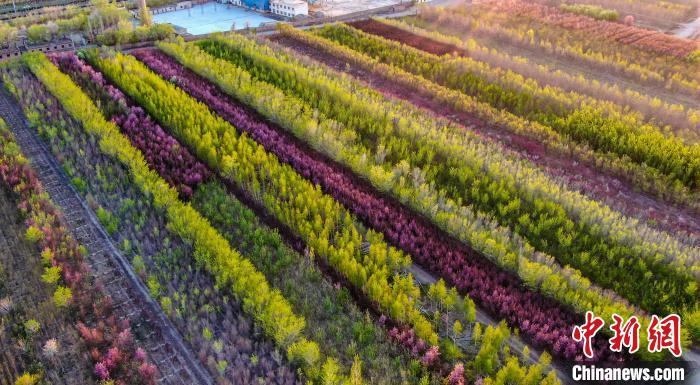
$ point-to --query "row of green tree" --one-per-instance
(324, 224)
(566, 44)
(230, 269)
(330, 137)
(326, 227)
(621, 102)
(467, 173)
(553, 225)
(577, 119)
(647, 179)
(296, 116)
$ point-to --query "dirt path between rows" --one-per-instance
(290, 149)
(165, 346)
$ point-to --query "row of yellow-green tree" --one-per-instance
(571, 45)
(230, 269)
(504, 247)
(581, 121)
(467, 172)
(326, 227)
(646, 178)
(620, 101)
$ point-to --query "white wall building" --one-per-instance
(183, 5)
(289, 8)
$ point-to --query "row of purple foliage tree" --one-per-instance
(162, 152)
(545, 322)
(227, 327)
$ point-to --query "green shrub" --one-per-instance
(79, 184)
(51, 274)
(62, 296)
(593, 11)
(31, 326)
(139, 265)
(47, 256)
(34, 235)
(304, 353)
(167, 304)
(38, 34)
(693, 57)
(108, 221)
(27, 379)
(153, 286)
(207, 334)
(692, 324)
(138, 34)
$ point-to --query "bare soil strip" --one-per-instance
(165, 346)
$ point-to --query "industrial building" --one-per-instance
(289, 8)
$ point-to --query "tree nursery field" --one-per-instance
(481, 194)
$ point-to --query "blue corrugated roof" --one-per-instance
(258, 4)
